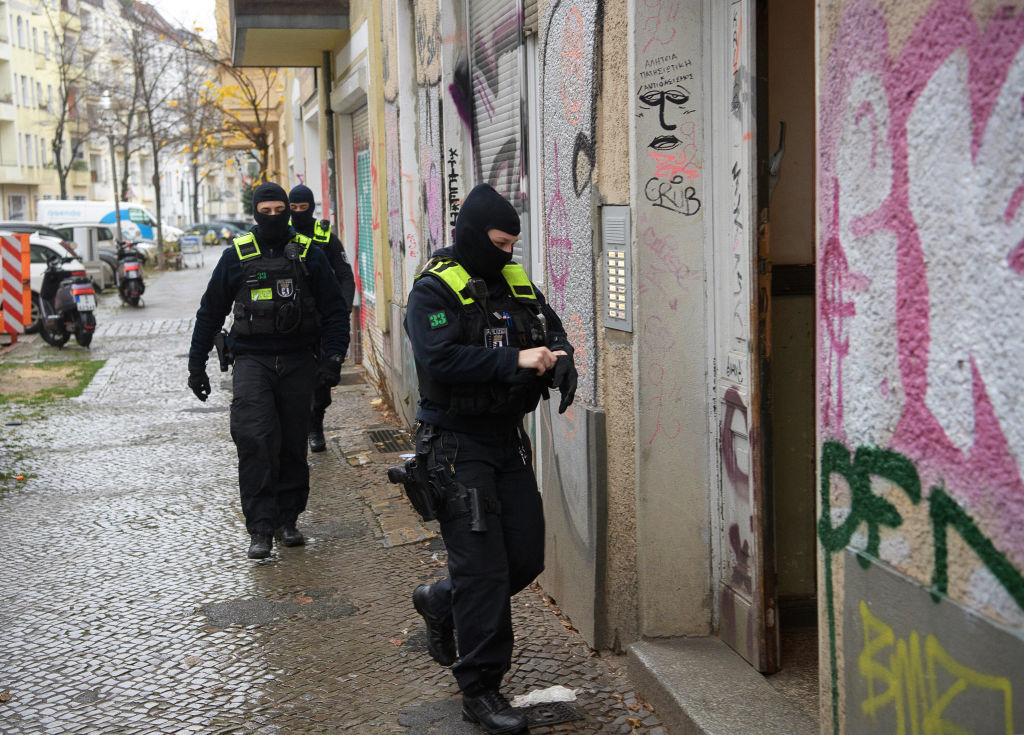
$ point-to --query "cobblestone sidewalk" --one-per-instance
(130, 607)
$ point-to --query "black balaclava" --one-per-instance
(483, 209)
(273, 227)
(302, 221)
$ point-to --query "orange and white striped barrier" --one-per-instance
(15, 292)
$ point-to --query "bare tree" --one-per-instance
(73, 66)
(202, 120)
(151, 53)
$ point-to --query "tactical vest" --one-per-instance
(526, 330)
(322, 231)
(275, 296)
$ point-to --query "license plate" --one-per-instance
(86, 302)
(131, 274)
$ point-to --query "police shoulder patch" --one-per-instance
(438, 320)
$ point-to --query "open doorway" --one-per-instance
(787, 140)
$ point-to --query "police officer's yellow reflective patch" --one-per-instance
(438, 320)
(261, 294)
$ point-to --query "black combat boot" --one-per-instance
(493, 713)
(260, 546)
(317, 443)
(440, 631)
(289, 535)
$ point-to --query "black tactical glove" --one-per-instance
(329, 371)
(199, 382)
(564, 378)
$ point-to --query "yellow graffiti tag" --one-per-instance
(910, 683)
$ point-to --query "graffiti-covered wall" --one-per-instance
(920, 292)
(669, 162)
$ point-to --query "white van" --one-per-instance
(137, 222)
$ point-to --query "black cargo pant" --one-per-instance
(269, 424)
(486, 569)
(318, 406)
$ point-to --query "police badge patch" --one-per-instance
(285, 288)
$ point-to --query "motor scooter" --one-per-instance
(66, 303)
(129, 274)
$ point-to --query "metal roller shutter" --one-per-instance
(364, 205)
(497, 83)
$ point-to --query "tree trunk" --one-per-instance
(195, 190)
(161, 255)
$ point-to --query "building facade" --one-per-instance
(790, 285)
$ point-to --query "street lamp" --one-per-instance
(108, 120)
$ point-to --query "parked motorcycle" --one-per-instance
(129, 274)
(66, 302)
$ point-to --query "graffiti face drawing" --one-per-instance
(669, 103)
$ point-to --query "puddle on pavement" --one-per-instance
(316, 604)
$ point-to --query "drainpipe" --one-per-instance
(330, 195)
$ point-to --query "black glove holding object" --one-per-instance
(199, 382)
(329, 371)
(564, 377)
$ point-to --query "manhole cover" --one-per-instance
(550, 713)
(390, 440)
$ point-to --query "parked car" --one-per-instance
(229, 231)
(215, 233)
(105, 238)
(65, 237)
(206, 232)
(243, 224)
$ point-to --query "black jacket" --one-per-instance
(335, 253)
(442, 351)
(220, 295)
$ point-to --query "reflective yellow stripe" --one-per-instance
(518, 281)
(303, 240)
(456, 277)
(321, 233)
(248, 239)
(261, 294)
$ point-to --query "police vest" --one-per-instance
(524, 330)
(322, 231)
(275, 297)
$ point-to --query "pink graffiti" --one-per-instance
(668, 165)
(656, 22)
(559, 243)
(974, 459)
(671, 394)
(666, 271)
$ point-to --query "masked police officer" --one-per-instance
(285, 301)
(300, 199)
(487, 346)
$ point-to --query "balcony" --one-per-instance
(7, 110)
(271, 33)
(5, 48)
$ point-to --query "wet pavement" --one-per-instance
(129, 605)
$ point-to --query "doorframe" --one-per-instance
(718, 46)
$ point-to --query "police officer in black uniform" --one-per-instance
(286, 300)
(487, 346)
(300, 199)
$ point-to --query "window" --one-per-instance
(140, 216)
(39, 94)
(21, 33)
(16, 207)
(35, 40)
(49, 96)
(46, 44)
